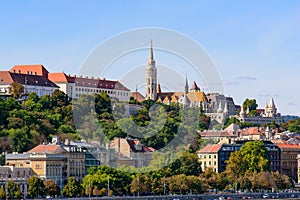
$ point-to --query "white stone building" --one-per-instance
(34, 78)
(74, 86)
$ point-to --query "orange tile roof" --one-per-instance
(211, 148)
(138, 96)
(49, 148)
(58, 77)
(288, 146)
(5, 78)
(251, 131)
(36, 69)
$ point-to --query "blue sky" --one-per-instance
(254, 44)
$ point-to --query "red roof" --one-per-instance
(251, 131)
(7, 77)
(61, 77)
(211, 148)
(288, 146)
(37, 69)
(137, 96)
(49, 148)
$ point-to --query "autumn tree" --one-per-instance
(16, 89)
(52, 189)
(141, 184)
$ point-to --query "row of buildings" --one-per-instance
(59, 161)
(284, 154)
(36, 78)
(216, 106)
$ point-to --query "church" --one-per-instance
(215, 105)
(192, 97)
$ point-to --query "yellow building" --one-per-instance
(49, 162)
(208, 156)
(18, 160)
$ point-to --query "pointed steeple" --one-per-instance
(158, 88)
(151, 59)
(186, 85)
(225, 108)
(220, 110)
(272, 104)
(195, 87)
(151, 77)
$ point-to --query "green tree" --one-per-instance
(234, 167)
(251, 158)
(73, 188)
(21, 139)
(294, 125)
(16, 89)
(2, 193)
(229, 121)
(255, 157)
(36, 187)
(52, 189)
(59, 99)
(13, 190)
(2, 159)
(187, 164)
(251, 104)
(204, 122)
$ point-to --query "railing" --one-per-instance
(234, 196)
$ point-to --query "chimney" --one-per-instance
(55, 139)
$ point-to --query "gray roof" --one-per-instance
(17, 156)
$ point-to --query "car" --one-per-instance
(265, 196)
(247, 197)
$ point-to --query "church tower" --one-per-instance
(151, 77)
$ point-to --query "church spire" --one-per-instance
(151, 77)
(186, 85)
(151, 59)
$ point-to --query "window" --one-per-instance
(215, 156)
(38, 166)
(209, 156)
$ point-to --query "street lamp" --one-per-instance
(108, 186)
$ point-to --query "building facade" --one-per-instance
(289, 162)
(34, 78)
(131, 152)
(75, 86)
(268, 116)
(215, 156)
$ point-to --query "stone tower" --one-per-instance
(151, 77)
